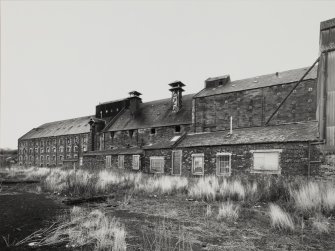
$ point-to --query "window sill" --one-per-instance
(198, 174)
(265, 172)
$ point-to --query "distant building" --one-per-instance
(278, 123)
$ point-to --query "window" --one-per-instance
(61, 157)
(223, 163)
(41, 158)
(61, 149)
(153, 131)
(42, 150)
(54, 158)
(47, 158)
(68, 156)
(198, 164)
(76, 139)
(75, 149)
(68, 141)
(108, 161)
(157, 164)
(310, 89)
(84, 139)
(131, 132)
(68, 149)
(266, 161)
(84, 148)
(136, 162)
(36, 150)
(42, 143)
(30, 151)
(121, 161)
(177, 128)
(75, 156)
(80, 161)
(176, 162)
(48, 149)
(111, 135)
(61, 141)
(54, 149)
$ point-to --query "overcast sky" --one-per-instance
(59, 59)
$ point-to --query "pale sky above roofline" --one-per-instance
(59, 59)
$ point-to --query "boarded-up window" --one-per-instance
(157, 164)
(223, 163)
(267, 160)
(121, 161)
(198, 164)
(176, 162)
(108, 161)
(136, 162)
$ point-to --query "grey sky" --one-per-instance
(61, 58)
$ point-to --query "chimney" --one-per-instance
(217, 81)
(326, 85)
(134, 101)
(177, 97)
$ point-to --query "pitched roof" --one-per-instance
(295, 132)
(154, 114)
(260, 81)
(58, 128)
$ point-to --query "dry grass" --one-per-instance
(82, 229)
(320, 224)
(308, 197)
(280, 219)
(205, 188)
(233, 190)
(228, 211)
(165, 237)
(163, 185)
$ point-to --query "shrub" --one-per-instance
(280, 219)
(228, 210)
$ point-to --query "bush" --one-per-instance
(280, 219)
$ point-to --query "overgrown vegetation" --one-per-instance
(289, 204)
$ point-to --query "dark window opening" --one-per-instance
(111, 135)
(153, 131)
(177, 128)
(131, 132)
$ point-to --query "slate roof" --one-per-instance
(295, 132)
(260, 81)
(168, 143)
(154, 114)
(58, 128)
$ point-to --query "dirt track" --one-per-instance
(22, 213)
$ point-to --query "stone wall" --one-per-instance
(293, 159)
(253, 107)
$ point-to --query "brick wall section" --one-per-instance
(252, 107)
(42, 145)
